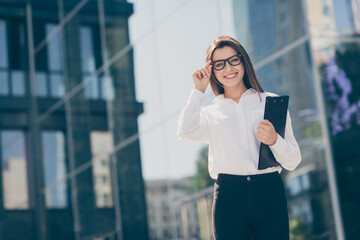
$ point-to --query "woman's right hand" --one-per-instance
(201, 77)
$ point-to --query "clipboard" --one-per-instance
(276, 112)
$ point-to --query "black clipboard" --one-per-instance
(276, 112)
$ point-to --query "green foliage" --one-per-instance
(299, 230)
(201, 179)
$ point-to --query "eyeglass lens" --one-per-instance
(233, 61)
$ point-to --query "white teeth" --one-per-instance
(230, 76)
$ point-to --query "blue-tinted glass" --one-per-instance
(325, 8)
(57, 85)
(54, 169)
(306, 181)
(107, 86)
(92, 87)
(41, 84)
(18, 83)
(88, 62)
(3, 45)
(293, 185)
(87, 50)
(14, 170)
(54, 49)
(4, 84)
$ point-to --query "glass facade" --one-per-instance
(14, 170)
(340, 80)
(54, 169)
(69, 136)
(280, 50)
(67, 110)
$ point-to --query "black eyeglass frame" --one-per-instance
(226, 60)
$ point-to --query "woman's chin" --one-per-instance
(231, 82)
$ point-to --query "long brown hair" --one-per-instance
(250, 79)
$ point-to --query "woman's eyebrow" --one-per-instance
(225, 58)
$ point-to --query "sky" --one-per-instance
(170, 39)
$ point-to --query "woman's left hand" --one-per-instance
(266, 133)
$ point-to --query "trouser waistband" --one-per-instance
(248, 178)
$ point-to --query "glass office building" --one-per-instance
(309, 50)
(275, 33)
(70, 155)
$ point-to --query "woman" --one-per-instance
(248, 203)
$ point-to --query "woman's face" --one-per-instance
(229, 76)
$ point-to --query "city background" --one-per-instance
(90, 93)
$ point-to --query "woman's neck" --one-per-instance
(234, 92)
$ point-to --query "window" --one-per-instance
(41, 84)
(11, 81)
(294, 185)
(18, 81)
(55, 62)
(4, 64)
(88, 62)
(3, 45)
(14, 169)
(97, 87)
(54, 169)
(49, 76)
(298, 184)
(325, 7)
(101, 148)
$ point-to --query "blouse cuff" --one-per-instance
(279, 146)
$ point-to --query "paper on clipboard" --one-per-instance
(276, 112)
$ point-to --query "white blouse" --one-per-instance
(230, 130)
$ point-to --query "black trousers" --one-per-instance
(250, 207)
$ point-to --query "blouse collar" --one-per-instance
(221, 97)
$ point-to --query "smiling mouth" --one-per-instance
(230, 76)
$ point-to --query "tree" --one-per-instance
(201, 179)
(299, 230)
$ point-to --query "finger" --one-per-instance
(203, 72)
(207, 64)
(261, 126)
(200, 75)
(260, 137)
(267, 122)
(209, 68)
(207, 72)
(263, 133)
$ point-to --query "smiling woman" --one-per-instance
(242, 192)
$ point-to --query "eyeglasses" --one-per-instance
(220, 64)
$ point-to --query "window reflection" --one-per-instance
(57, 85)
(41, 85)
(55, 65)
(4, 86)
(18, 83)
(107, 87)
(54, 169)
(3, 45)
(101, 147)
(88, 62)
(14, 169)
(54, 49)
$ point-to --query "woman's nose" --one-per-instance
(227, 65)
